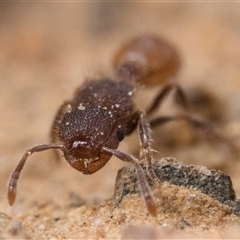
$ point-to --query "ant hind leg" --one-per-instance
(208, 127)
(164, 92)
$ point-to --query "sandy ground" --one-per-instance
(47, 49)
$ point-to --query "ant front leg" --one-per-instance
(64, 108)
(167, 88)
(145, 144)
(139, 120)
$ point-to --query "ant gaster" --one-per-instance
(88, 128)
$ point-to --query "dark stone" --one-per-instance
(214, 183)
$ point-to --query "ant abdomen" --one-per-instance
(148, 60)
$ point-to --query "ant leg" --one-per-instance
(147, 193)
(145, 139)
(170, 86)
(64, 108)
(139, 120)
(12, 185)
(205, 126)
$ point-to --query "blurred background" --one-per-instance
(47, 49)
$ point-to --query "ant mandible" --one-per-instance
(88, 128)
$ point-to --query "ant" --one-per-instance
(89, 128)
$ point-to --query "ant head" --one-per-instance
(84, 130)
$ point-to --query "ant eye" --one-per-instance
(120, 134)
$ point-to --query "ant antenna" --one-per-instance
(12, 185)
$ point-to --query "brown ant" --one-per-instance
(88, 128)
